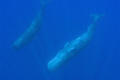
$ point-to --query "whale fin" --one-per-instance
(66, 44)
(96, 16)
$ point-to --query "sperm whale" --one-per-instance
(31, 32)
(74, 47)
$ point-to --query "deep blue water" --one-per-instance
(64, 21)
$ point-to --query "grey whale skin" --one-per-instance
(74, 47)
(31, 32)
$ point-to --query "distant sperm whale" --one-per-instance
(74, 47)
(31, 32)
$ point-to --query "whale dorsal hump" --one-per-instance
(66, 44)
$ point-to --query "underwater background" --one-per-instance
(63, 21)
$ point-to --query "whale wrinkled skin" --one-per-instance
(74, 47)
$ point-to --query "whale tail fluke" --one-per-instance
(96, 16)
(45, 2)
(93, 25)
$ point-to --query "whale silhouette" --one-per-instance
(31, 32)
(74, 47)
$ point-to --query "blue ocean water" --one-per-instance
(64, 21)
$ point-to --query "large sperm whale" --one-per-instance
(31, 32)
(74, 47)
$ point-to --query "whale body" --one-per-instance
(74, 47)
(31, 32)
